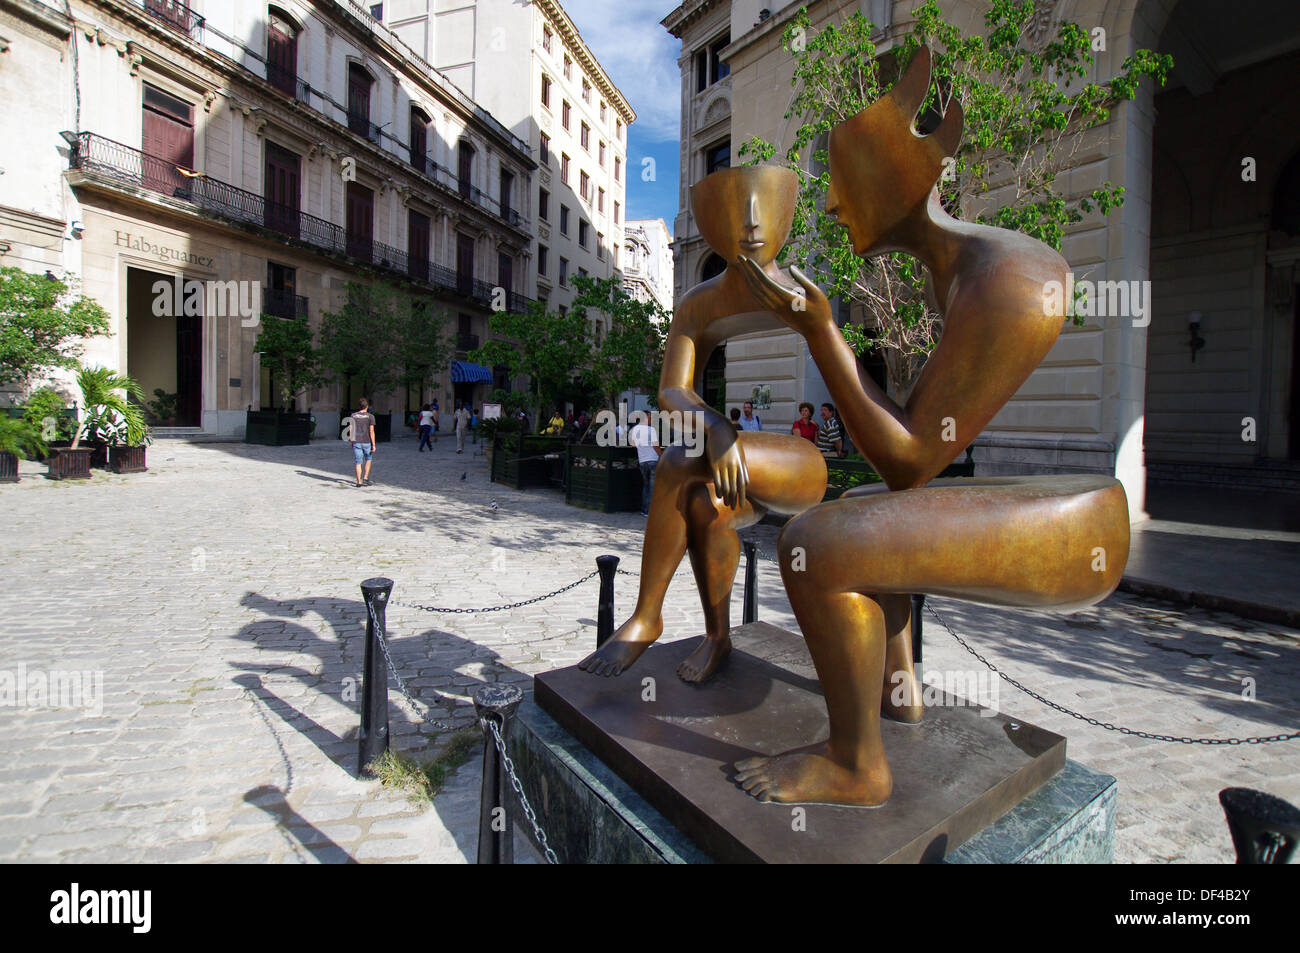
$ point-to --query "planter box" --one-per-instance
(607, 479)
(8, 467)
(270, 428)
(126, 459)
(68, 464)
(98, 453)
(523, 460)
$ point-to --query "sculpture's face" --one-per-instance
(745, 211)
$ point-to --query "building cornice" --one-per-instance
(572, 39)
(38, 14)
(677, 22)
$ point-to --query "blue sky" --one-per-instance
(640, 57)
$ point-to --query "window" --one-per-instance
(564, 115)
(464, 264)
(546, 91)
(717, 157)
(568, 67)
(282, 53)
(709, 68)
(584, 186)
(564, 168)
(602, 153)
(564, 273)
(584, 137)
(167, 134)
(419, 139)
(542, 252)
(507, 185)
(563, 310)
(543, 205)
(505, 273)
(618, 168)
(417, 245)
(582, 272)
(465, 167)
(583, 229)
(377, 11)
(359, 83)
(564, 219)
(618, 129)
(546, 38)
(615, 211)
(280, 298)
(600, 200)
(602, 110)
(546, 149)
(360, 221)
(600, 245)
(586, 91)
(281, 189)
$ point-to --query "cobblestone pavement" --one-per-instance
(218, 597)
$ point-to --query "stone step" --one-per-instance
(1270, 475)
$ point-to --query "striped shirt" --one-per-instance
(829, 432)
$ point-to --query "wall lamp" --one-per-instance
(1195, 341)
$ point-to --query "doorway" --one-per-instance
(165, 351)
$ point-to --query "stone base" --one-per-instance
(968, 787)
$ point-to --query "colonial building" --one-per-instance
(648, 261)
(527, 64)
(1205, 385)
(280, 150)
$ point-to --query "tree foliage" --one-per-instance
(551, 348)
(286, 348)
(1027, 107)
(630, 354)
(43, 322)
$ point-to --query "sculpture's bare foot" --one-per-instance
(809, 774)
(623, 648)
(901, 699)
(705, 660)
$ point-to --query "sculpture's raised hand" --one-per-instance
(802, 311)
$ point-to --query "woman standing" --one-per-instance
(804, 426)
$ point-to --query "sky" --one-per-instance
(640, 57)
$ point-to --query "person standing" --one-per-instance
(426, 427)
(461, 421)
(830, 437)
(804, 426)
(646, 441)
(363, 440)
(748, 420)
(433, 406)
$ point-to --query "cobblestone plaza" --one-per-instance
(217, 595)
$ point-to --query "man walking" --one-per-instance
(643, 437)
(830, 436)
(748, 420)
(426, 427)
(461, 421)
(363, 440)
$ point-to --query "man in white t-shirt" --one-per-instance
(646, 441)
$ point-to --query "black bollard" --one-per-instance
(372, 740)
(918, 609)
(751, 582)
(1265, 829)
(496, 845)
(606, 566)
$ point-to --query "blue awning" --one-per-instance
(463, 372)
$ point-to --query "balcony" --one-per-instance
(283, 304)
(360, 124)
(466, 342)
(176, 16)
(134, 169)
(287, 82)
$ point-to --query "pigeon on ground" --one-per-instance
(493, 505)
(465, 474)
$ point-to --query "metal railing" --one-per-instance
(288, 82)
(283, 304)
(466, 342)
(177, 16)
(105, 157)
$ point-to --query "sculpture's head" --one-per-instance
(881, 167)
(745, 211)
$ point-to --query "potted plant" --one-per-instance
(162, 409)
(18, 441)
(109, 416)
(46, 410)
(286, 348)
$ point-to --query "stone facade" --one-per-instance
(648, 261)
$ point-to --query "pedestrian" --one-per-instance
(554, 426)
(523, 421)
(461, 420)
(830, 436)
(426, 427)
(804, 426)
(434, 407)
(735, 417)
(646, 441)
(749, 420)
(363, 440)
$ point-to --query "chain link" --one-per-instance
(1257, 740)
(401, 682)
(513, 605)
(491, 725)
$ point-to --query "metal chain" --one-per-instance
(513, 605)
(495, 729)
(1257, 740)
(401, 683)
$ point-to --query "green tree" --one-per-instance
(286, 348)
(421, 343)
(630, 354)
(360, 343)
(551, 348)
(1026, 108)
(43, 322)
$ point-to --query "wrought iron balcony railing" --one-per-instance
(466, 342)
(360, 124)
(288, 82)
(132, 167)
(177, 16)
(283, 304)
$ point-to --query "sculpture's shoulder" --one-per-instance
(1008, 255)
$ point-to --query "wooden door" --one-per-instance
(189, 370)
(464, 264)
(281, 189)
(168, 142)
(361, 221)
(282, 56)
(417, 247)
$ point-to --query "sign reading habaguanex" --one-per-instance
(160, 251)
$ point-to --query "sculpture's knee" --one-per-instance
(797, 546)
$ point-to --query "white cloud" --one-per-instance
(639, 55)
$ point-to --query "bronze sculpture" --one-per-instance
(850, 565)
(699, 502)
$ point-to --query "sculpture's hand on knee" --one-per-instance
(727, 461)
